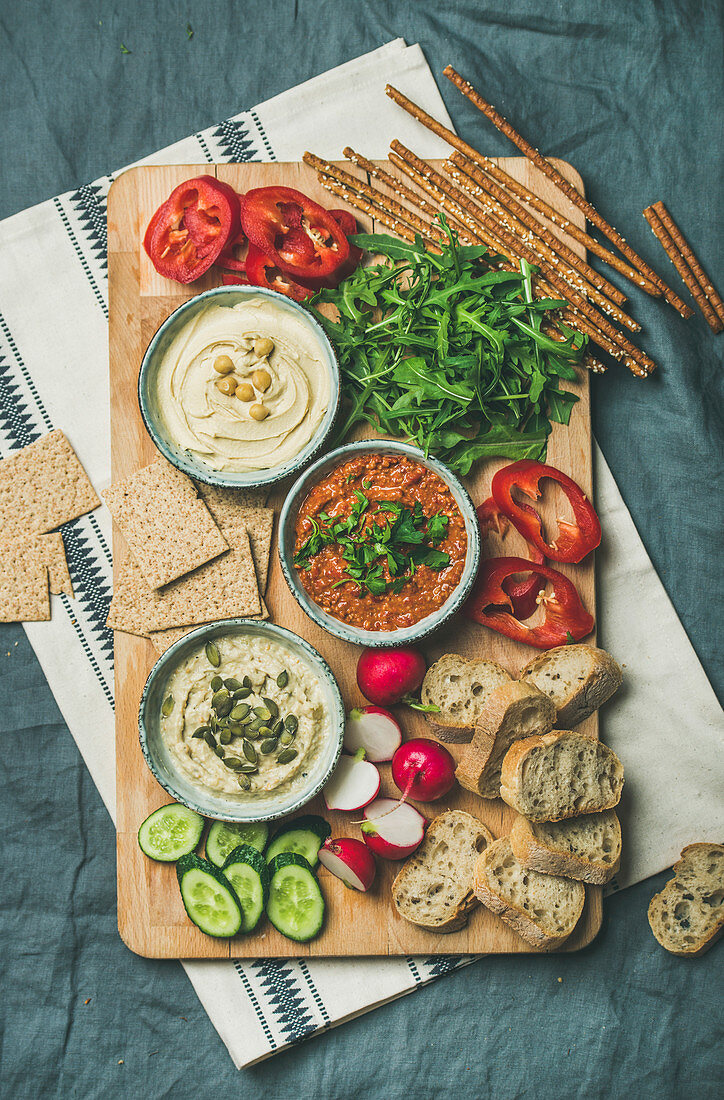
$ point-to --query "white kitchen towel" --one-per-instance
(55, 375)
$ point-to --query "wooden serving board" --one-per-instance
(151, 918)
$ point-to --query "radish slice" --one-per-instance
(355, 783)
(393, 829)
(375, 730)
(349, 860)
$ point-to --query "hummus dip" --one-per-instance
(213, 760)
(230, 420)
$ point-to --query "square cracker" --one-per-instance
(23, 584)
(230, 506)
(163, 639)
(43, 486)
(51, 552)
(223, 588)
(168, 528)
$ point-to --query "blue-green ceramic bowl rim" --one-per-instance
(164, 666)
(285, 543)
(182, 459)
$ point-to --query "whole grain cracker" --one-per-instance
(244, 506)
(163, 639)
(43, 486)
(168, 528)
(23, 585)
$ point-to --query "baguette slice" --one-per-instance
(578, 678)
(459, 687)
(559, 775)
(586, 848)
(687, 917)
(543, 909)
(511, 711)
(434, 889)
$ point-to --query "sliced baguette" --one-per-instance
(586, 848)
(459, 687)
(578, 678)
(543, 909)
(687, 917)
(434, 889)
(511, 711)
(560, 775)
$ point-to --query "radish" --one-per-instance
(355, 782)
(386, 676)
(375, 730)
(393, 829)
(349, 860)
(424, 769)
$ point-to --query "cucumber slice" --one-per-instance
(304, 835)
(224, 836)
(170, 832)
(295, 906)
(246, 870)
(208, 898)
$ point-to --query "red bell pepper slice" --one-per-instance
(345, 220)
(524, 594)
(233, 255)
(263, 271)
(574, 540)
(566, 619)
(188, 232)
(270, 214)
(230, 279)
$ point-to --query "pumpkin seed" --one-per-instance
(286, 756)
(283, 678)
(236, 729)
(277, 727)
(213, 722)
(241, 693)
(216, 683)
(232, 683)
(219, 752)
(271, 707)
(269, 745)
(286, 737)
(225, 736)
(262, 712)
(212, 654)
(218, 697)
(210, 739)
(244, 782)
(291, 722)
(200, 731)
(250, 769)
(233, 762)
(240, 711)
(167, 706)
(224, 708)
(246, 682)
(249, 751)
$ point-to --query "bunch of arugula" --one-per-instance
(448, 352)
(403, 540)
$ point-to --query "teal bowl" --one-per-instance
(222, 806)
(192, 464)
(286, 539)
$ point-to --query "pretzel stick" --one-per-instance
(523, 192)
(343, 191)
(392, 182)
(553, 175)
(523, 215)
(571, 275)
(519, 249)
(686, 263)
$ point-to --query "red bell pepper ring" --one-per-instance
(230, 258)
(566, 619)
(574, 540)
(230, 279)
(268, 217)
(524, 594)
(262, 271)
(188, 232)
(345, 221)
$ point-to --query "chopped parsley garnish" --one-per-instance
(378, 534)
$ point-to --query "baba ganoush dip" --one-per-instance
(244, 715)
(244, 387)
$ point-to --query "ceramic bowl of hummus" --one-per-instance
(239, 387)
(241, 721)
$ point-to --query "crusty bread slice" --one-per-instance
(587, 848)
(511, 711)
(559, 775)
(459, 687)
(434, 889)
(687, 917)
(578, 678)
(543, 909)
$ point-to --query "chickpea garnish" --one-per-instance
(258, 412)
(223, 364)
(261, 380)
(226, 385)
(244, 391)
(263, 346)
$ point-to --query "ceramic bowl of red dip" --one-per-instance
(379, 543)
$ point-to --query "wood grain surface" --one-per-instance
(151, 918)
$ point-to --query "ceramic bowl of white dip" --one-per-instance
(239, 387)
